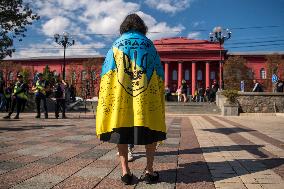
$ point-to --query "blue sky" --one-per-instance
(256, 25)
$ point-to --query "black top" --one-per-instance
(183, 88)
(2, 84)
(257, 88)
(279, 86)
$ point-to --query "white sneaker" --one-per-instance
(130, 156)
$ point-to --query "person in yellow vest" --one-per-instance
(19, 95)
(40, 95)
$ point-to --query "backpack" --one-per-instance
(58, 93)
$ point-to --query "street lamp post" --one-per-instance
(64, 41)
(220, 35)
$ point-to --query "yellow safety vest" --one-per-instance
(22, 94)
(7, 95)
(40, 87)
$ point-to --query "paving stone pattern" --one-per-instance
(201, 151)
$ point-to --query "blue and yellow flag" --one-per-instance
(132, 86)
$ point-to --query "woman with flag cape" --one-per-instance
(131, 99)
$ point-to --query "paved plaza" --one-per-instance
(202, 151)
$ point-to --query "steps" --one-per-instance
(192, 108)
(171, 108)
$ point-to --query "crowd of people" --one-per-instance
(200, 94)
(209, 94)
(16, 95)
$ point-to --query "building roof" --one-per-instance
(259, 53)
(55, 57)
(184, 44)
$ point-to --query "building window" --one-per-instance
(11, 76)
(262, 73)
(212, 75)
(83, 75)
(174, 75)
(186, 75)
(199, 75)
(94, 75)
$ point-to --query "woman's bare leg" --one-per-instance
(184, 98)
(123, 152)
(150, 151)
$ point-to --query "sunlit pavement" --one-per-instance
(202, 151)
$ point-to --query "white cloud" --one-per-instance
(94, 16)
(194, 35)
(53, 49)
(55, 25)
(85, 20)
(169, 6)
(158, 30)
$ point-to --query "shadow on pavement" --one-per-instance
(25, 128)
(228, 131)
(198, 171)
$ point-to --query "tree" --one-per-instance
(26, 73)
(14, 17)
(274, 65)
(48, 75)
(235, 71)
(92, 69)
(6, 67)
(73, 72)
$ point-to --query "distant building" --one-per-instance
(196, 61)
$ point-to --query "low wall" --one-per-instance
(260, 102)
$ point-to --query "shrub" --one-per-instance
(231, 95)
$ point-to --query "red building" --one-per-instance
(196, 61)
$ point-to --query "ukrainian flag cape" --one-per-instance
(132, 86)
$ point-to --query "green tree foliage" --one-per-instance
(235, 71)
(48, 75)
(26, 73)
(14, 17)
(231, 95)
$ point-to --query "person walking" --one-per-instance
(19, 95)
(132, 84)
(59, 94)
(40, 95)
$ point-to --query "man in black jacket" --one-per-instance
(19, 95)
(257, 87)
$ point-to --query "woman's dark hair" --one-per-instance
(133, 22)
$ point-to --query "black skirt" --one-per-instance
(133, 135)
